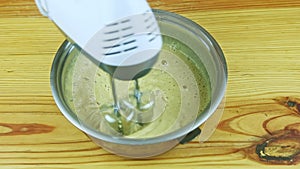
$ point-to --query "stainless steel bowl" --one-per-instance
(189, 33)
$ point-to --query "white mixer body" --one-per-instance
(114, 32)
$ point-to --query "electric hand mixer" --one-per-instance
(122, 36)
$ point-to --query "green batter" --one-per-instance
(178, 84)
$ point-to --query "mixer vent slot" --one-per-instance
(129, 49)
(149, 18)
(111, 39)
(112, 53)
(112, 24)
(152, 39)
(129, 42)
(149, 26)
(125, 21)
(113, 46)
(112, 32)
(128, 35)
(126, 28)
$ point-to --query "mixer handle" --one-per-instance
(190, 136)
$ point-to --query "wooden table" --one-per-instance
(261, 120)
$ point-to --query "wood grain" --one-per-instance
(261, 42)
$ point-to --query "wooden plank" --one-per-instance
(260, 40)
